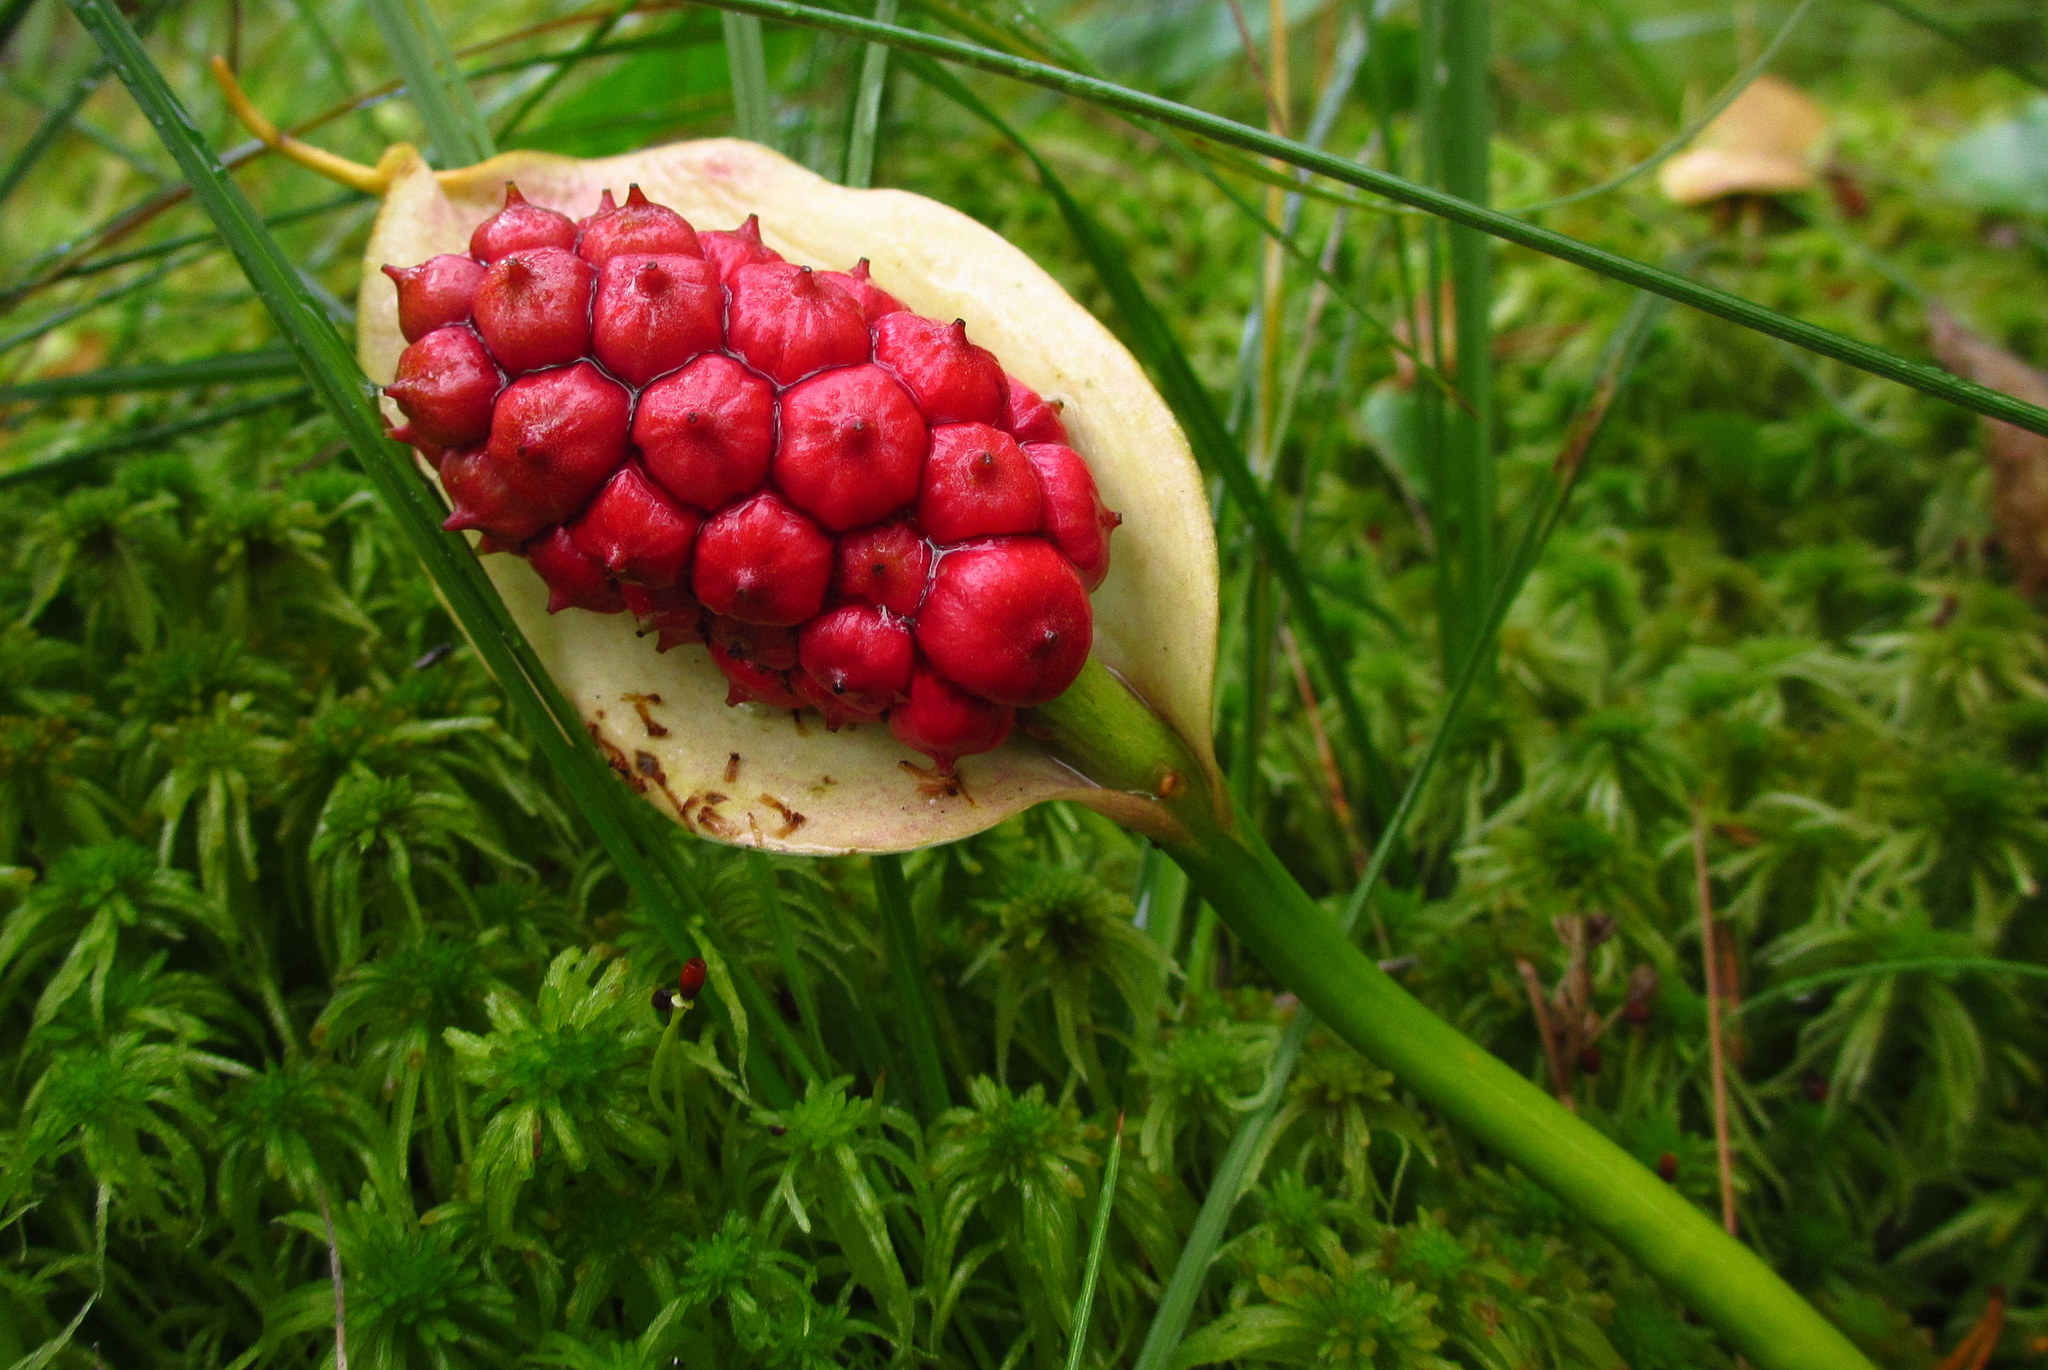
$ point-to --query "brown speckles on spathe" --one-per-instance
(647, 719)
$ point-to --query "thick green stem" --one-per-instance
(1106, 731)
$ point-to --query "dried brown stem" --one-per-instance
(1539, 1005)
(1710, 960)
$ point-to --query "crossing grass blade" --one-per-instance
(58, 118)
(913, 990)
(867, 104)
(262, 365)
(1984, 52)
(1184, 1286)
(1864, 356)
(747, 63)
(146, 439)
(1098, 1242)
(433, 81)
(561, 69)
(643, 855)
(1214, 445)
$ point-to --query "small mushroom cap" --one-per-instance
(760, 777)
(1767, 142)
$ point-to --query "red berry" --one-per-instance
(977, 483)
(1076, 519)
(445, 385)
(874, 301)
(605, 205)
(763, 562)
(533, 309)
(707, 431)
(786, 322)
(691, 981)
(484, 498)
(637, 532)
(558, 436)
(653, 314)
(749, 683)
(674, 613)
(1031, 418)
(886, 565)
(1007, 619)
(640, 227)
(729, 249)
(576, 580)
(438, 291)
(836, 712)
(953, 380)
(852, 447)
(945, 722)
(520, 225)
(861, 654)
(772, 649)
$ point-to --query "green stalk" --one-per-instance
(1098, 1241)
(762, 875)
(1983, 52)
(1102, 727)
(1878, 361)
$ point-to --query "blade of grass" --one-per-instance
(561, 69)
(59, 117)
(1983, 52)
(867, 104)
(747, 64)
(11, 14)
(1216, 448)
(1458, 130)
(1926, 965)
(762, 875)
(1098, 1242)
(1707, 299)
(1184, 1285)
(433, 81)
(262, 365)
(28, 333)
(649, 868)
(1741, 81)
(67, 463)
(913, 990)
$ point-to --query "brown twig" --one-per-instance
(1539, 1004)
(1973, 1352)
(1710, 959)
(1333, 779)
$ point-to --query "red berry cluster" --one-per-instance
(853, 506)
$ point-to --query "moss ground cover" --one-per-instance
(328, 1024)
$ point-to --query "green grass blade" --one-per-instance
(11, 14)
(28, 333)
(1214, 445)
(1191, 1268)
(867, 104)
(1671, 146)
(68, 463)
(1098, 1242)
(761, 875)
(1878, 361)
(648, 867)
(433, 81)
(563, 65)
(1982, 51)
(913, 989)
(1459, 132)
(266, 364)
(59, 117)
(747, 63)
(1927, 965)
